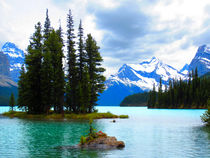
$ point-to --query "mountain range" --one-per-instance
(7, 85)
(136, 78)
(130, 78)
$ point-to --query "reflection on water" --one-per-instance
(44, 136)
(147, 134)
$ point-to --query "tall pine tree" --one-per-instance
(47, 27)
(82, 54)
(33, 62)
(23, 90)
(97, 79)
(47, 69)
(72, 78)
(55, 48)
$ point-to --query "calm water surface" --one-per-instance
(147, 134)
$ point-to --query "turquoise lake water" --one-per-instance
(148, 133)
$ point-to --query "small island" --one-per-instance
(66, 116)
(96, 140)
(101, 141)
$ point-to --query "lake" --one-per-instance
(148, 133)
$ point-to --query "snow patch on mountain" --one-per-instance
(201, 61)
(135, 78)
(15, 57)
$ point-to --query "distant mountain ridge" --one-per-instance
(15, 57)
(135, 78)
(185, 69)
(7, 86)
(11, 59)
(201, 61)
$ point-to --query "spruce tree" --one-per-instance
(152, 97)
(12, 101)
(23, 90)
(46, 82)
(55, 48)
(47, 69)
(72, 78)
(86, 91)
(82, 54)
(60, 34)
(47, 27)
(94, 60)
(33, 62)
(160, 91)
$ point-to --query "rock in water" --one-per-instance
(106, 142)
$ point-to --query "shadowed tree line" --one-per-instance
(43, 83)
(191, 94)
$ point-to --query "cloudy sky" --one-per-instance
(128, 31)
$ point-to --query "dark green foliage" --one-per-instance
(86, 89)
(82, 55)
(47, 28)
(43, 84)
(22, 89)
(12, 101)
(33, 61)
(206, 116)
(54, 46)
(46, 82)
(139, 99)
(72, 78)
(193, 93)
(206, 75)
(94, 60)
(46, 69)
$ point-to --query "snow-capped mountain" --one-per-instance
(135, 78)
(185, 69)
(15, 57)
(201, 60)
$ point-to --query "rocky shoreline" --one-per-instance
(104, 142)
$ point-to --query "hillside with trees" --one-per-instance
(139, 99)
(43, 84)
(191, 94)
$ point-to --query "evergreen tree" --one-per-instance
(46, 82)
(82, 55)
(47, 27)
(22, 90)
(33, 61)
(47, 69)
(72, 78)
(94, 60)
(12, 101)
(191, 93)
(55, 48)
(160, 91)
(60, 34)
(206, 116)
(86, 87)
(153, 100)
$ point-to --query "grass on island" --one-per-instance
(87, 116)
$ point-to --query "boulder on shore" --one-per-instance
(105, 142)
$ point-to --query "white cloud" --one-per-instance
(178, 22)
